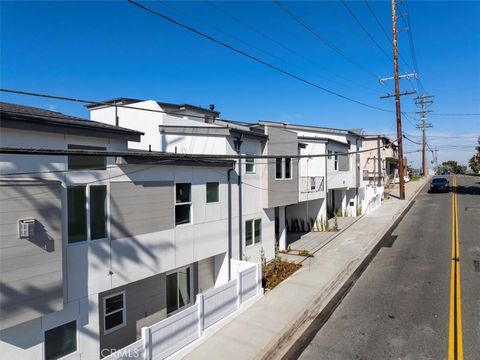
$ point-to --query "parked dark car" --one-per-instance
(439, 184)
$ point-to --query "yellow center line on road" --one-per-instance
(455, 338)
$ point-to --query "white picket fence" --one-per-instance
(177, 331)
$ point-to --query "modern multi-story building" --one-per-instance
(264, 186)
(95, 247)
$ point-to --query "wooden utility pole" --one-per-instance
(424, 102)
(397, 103)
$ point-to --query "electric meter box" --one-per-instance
(26, 228)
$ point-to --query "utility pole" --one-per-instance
(398, 113)
(424, 102)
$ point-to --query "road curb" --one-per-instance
(293, 341)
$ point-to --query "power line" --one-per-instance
(283, 46)
(90, 102)
(323, 39)
(365, 30)
(379, 23)
(254, 58)
(162, 155)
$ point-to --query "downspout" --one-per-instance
(325, 182)
(379, 154)
(229, 172)
(238, 143)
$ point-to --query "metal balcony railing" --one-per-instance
(311, 184)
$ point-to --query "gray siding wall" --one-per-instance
(140, 208)
(343, 162)
(145, 302)
(31, 280)
(282, 192)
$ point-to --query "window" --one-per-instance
(278, 168)
(183, 203)
(253, 232)
(250, 166)
(85, 162)
(335, 162)
(114, 312)
(77, 214)
(288, 168)
(79, 228)
(98, 212)
(258, 231)
(61, 341)
(212, 192)
(283, 168)
(179, 289)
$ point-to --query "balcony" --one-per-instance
(311, 187)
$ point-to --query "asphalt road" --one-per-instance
(400, 306)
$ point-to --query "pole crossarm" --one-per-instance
(406, 76)
(401, 94)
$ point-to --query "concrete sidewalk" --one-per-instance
(270, 327)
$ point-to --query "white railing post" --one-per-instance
(259, 278)
(147, 343)
(239, 289)
(201, 315)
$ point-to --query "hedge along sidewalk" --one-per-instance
(270, 328)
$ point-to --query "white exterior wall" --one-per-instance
(87, 264)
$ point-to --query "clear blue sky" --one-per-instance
(102, 50)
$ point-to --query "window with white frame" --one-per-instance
(60, 341)
(278, 168)
(335, 162)
(87, 213)
(114, 312)
(183, 203)
(179, 289)
(288, 168)
(283, 168)
(253, 232)
(250, 166)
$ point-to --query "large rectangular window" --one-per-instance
(250, 166)
(212, 192)
(179, 289)
(86, 162)
(98, 212)
(114, 312)
(278, 168)
(253, 232)
(61, 341)
(183, 203)
(78, 212)
(288, 168)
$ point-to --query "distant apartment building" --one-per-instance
(93, 248)
(330, 183)
(380, 164)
